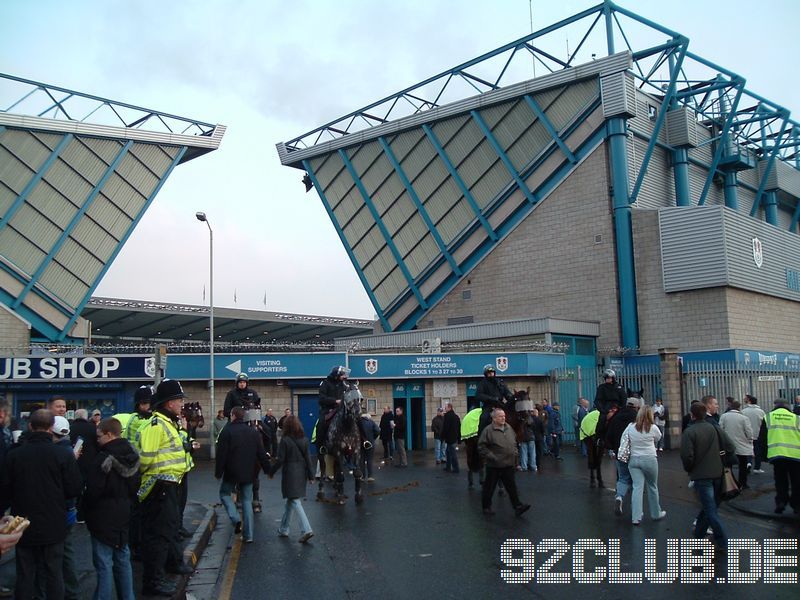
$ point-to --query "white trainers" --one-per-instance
(758, 470)
(661, 515)
(618, 506)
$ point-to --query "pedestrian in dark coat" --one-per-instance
(37, 479)
(451, 436)
(82, 428)
(240, 451)
(371, 431)
(111, 486)
(298, 470)
(386, 433)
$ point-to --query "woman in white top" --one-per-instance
(643, 464)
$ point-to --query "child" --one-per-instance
(298, 469)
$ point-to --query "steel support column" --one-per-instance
(771, 207)
(730, 190)
(626, 277)
(680, 168)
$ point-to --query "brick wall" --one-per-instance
(550, 265)
(15, 334)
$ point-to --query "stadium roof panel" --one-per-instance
(77, 173)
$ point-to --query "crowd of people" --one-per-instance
(126, 476)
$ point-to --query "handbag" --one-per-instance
(729, 487)
(624, 452)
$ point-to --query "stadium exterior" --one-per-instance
(632, 206)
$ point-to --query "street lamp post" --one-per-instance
(201, 216)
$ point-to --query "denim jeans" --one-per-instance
(451, 458)
(294, 505)
(624, 481)
(660, 445)
(246, 490)
(113, 566)
(439, 449)
(527, 455)
(708, 493)
(644, 473)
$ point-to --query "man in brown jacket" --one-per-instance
(497, 446)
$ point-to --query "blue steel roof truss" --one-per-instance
(734, 116)
(87, 296)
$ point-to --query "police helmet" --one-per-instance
(242, 377)
(488, 369)
(339, 371)
(609, 373)
(143, 395)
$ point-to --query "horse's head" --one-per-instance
(352, 399)
(522, 400)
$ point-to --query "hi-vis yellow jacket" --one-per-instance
(131, 423)
(783, 434)
(161, 453)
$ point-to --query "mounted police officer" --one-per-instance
(610, 398)
(491, 393)
(246, 397)
(331, 394)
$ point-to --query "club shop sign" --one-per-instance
(74, 368)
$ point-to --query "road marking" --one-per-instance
(230, 575)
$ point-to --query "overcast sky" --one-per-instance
(271, 71)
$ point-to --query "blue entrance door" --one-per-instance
(308, 410)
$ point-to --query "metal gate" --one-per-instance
(721, 379)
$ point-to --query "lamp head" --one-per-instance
(201, 216)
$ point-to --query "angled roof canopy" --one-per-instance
(77, 173)
(423, 184)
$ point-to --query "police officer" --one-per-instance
(779, 440)
(609, 398)
(331, 394)
(491, 393)
(131, 422)
(163, 463)
(246, 397)
(242, 395)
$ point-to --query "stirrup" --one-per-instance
(323, 450)
(368, 445)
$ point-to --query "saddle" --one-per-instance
(330, 414)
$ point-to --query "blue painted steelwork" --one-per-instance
(680, 45)
(795, 219)
(729, 190)
(65, 331)
(144, 117)
(420, 208)
(680, 165)
(771, 207)
(504, 229)
(32, 316)
(346, 244)
(770, 163)
(738, 85)
(549, 127)
(385, 232)
(37, 177)
(73, 223)
(626, 274)
(460, 182)
(503, 157)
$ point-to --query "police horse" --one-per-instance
(344, 446)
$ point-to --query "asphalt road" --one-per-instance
(421, 534)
